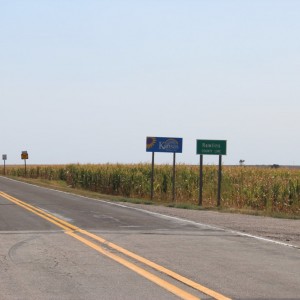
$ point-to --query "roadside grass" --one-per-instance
(62, 186)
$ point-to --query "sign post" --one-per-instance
(167, 145)
(211, 147)
(201, 180)
(174, 176)
(219, 181)
(4, 157)
(24, 156)
(152, 175)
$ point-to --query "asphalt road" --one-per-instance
(65, 246)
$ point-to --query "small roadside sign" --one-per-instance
(4, 157)
(24, 155)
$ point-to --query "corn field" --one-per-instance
(275, 190)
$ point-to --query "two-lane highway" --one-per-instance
(56, 245)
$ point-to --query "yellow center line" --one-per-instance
(157, 267)
(162, 283)
(33, 210)
(69, 228)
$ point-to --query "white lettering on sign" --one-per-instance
(213, 146)
(169, 145)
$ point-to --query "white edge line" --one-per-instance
(167, 217)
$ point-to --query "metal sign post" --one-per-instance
(152, 175)
(174, 175)
(211, 147)
(219, 181)
(164, 144)
(201, 180)
(4, 157)
(24, 156)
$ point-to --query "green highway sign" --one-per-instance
(211, 147)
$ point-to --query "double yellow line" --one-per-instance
(79, 234)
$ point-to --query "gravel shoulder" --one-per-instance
(283, 230)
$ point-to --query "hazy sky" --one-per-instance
(87, 81)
